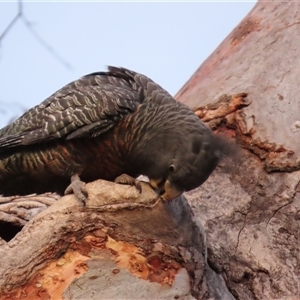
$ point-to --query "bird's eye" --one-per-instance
(171, 168)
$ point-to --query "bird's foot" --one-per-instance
(126, 179)
(78, 188)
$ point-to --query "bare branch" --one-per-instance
(14, 20)
(45, 44)
(20, 15)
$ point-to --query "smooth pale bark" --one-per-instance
(252, 217)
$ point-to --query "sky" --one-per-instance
(167, 41)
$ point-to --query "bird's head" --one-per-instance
(174, 148)
(190, 166)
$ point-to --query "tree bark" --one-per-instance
(121, 245)
(162, 245)
(252, 216)
(126, 245)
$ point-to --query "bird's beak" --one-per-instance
(165, 189)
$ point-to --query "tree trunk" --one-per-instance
(252, 217)
(122, 245)
(126, 245)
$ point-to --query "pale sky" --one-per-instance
(165, 41)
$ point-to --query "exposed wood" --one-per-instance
(20, 209)
(132, 245)
(122, 244)
(155, 241)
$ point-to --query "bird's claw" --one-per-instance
(126, 179)
(78, 188)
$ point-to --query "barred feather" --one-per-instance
(103, 125)
(83, 108)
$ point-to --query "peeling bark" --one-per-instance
(251, 217)
(120, 234)
(124, 244)
(121, 245)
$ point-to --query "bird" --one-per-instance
(113, 125)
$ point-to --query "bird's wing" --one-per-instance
(84, 108)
